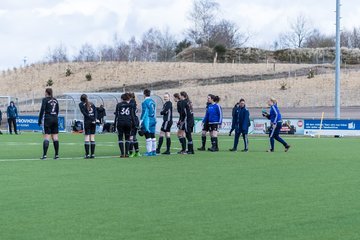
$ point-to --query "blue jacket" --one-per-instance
(243, 120)
(275, 115)
(235, 112)
(148, 114)
(213, 114)
(12, 112)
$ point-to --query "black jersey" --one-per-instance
(49, 108)
(186, 112)
(135, 111)
(178, 106)
(90, 115)
(125, 113)
(167, 111)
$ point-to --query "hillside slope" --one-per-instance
(254, 82)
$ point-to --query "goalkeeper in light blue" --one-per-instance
(148, 123)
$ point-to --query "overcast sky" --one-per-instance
(29, 27)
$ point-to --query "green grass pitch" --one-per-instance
(311, 192)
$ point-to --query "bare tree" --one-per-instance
(149, 45)
(167, 45)
(300, 30)
(350, 38)
(57, 54)
(134, 52)
(121, 49)
(86, 54)
(202, 17)
(227, 33)
(106, 53)
(319, 40)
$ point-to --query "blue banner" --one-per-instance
(332, 124)
(30, 123)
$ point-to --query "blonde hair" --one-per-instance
(273, 100)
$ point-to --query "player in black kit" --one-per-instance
(180, 132)
(124, 119)
(166, 125)
(186, 122)
(49, 112)
(88, 109)
(134, 144)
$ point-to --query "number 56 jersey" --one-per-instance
(124, 113)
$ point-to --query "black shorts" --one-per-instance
(51, 125)
(124, 128)
(213, 127)
(206, 127)
(89, 128)
(187, 127)
(166, 126)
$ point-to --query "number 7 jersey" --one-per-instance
(49, 108)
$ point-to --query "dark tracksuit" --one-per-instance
(235, 112)
(101, 113)
(241, 124)
(12, 114)
(276, 124)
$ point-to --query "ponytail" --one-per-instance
(85, 100)
(49, 92)
(216, 99)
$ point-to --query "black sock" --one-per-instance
(168, 144)
(183, 143)
(213, 144)
(136, 146)
(161, 140)
(93, 147)
(87, 147)
(216, 143)
(56, 147)
(121, 146)
(203, 141)
(45, 147)
(127, 145)
(131, 146)
(190, 147)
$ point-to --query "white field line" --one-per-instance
(115, 143)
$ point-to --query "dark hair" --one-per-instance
(147, 92)
(12, 102)
(131, 95)
(215, 98)
(125, 97)
(211, 96)
(184, 94)
(84, 99)
(177, 95)
(242, 100)
(49, 92)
